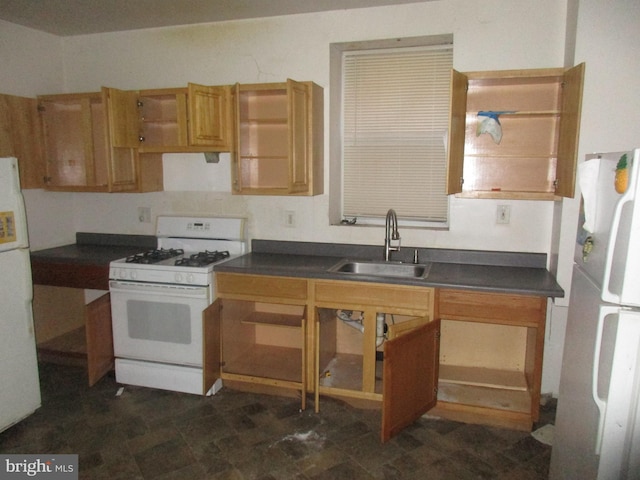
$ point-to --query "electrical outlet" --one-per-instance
(144, 214)
(289, 218)
(503, 214)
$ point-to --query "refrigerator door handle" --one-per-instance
(629, 196)
(601, 403)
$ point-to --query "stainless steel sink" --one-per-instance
(382, 269)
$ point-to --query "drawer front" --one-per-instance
(491, 307)
(231, 284)
(382, 295)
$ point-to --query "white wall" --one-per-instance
(493, 34)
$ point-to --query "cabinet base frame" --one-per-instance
(482, 416)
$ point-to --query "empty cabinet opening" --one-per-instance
(485, 365)
(264, 340)
(341, 350)
(160, 117)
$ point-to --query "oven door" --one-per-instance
(159, 323)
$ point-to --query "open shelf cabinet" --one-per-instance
(539, 115)
(498, 380)
(264, 332)
(279, 142)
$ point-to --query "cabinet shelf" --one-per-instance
(483, 377)
(263, 157)
(263, 339)
(485, 397)
(509, 156)
(264, 121)
(159, 121)
(533, 113)
(267, 362)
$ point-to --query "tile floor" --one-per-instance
(153, 434)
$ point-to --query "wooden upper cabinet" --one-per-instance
(278, 139)
(193, 119)
(75, 144)
(21, 137)
(85, 146)
(539, 115)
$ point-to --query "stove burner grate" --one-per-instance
(155, 256)
(202, 259)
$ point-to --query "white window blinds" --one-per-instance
(395, 120)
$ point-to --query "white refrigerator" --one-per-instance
(19, 380)
(597, 427)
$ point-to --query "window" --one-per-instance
(389, 145)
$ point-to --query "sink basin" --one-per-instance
(382, 269)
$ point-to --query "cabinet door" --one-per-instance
(410, 377)
(122, 113)
(123, 169)
(20, 137)
(209, 116)
(211, 327)
(122, 119)
(298, 112)
(569, 130)
(99, 338)
(74, 141)
(457, 120)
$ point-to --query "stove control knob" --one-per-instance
(133, 275)
(178, 278)
(190, 278)
(122, 273)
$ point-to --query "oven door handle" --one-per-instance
(170, 289)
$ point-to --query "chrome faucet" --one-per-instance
(391, 233)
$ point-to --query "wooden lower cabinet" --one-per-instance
(263, 330)
(379, 343)
(469, 356)
(69, 331)
(491, 351)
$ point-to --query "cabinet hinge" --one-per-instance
(139, 103)
(461, 181)
(555, 185)
(46, 179)
(435, 390)
(41, 108)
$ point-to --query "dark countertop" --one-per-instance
(85, 264)
(96, 249)
(500, 272)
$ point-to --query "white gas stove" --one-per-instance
(188, 248)
(158, 297)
